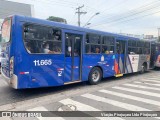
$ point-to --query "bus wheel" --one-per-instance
(143, 68)
(95, 76)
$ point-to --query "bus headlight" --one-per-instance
(11, 66)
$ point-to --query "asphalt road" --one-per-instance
(9, 95)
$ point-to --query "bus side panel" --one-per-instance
(89, 61)
(143, 59)
(129, 67)
(39, 75)
(108, 65)
(136, 62)
(119, 64)
(120, 61)
(37, 70)
(105, 62)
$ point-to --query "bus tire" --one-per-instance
(95, 76)
(143, 68)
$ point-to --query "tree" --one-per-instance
(57, 19)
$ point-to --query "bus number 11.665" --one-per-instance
(42, 62)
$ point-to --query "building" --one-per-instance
(8, 8)
(148, 37)
(144, 37)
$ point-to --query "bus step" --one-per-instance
(119, 75)
(72, 82)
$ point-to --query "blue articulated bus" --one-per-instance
(155, 48)
(40, 53)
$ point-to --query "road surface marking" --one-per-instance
(84, 107)
(41, 108)
(115, 103)
(141, 86)
(45, 118)
(80, 106)
(153, 80)
(138, 91)
(152, 77)
(148, 83)
(153, 102)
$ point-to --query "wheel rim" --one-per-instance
(95, 76)
(143, 69)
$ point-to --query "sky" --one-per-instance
(118, 16)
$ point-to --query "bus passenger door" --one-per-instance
(121, 56)
(73, 57)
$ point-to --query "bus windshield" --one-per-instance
(6, 30)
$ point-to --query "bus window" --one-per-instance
(95, 49)
(141, 44)
(95, 39)
(147, 44)
(68, 46)
(108, 40)
(140, 50)
(93, 43)
(146, 51)
(130, 43)
(105, 49)
(87, 38)
(108, 45)
(120, 47)
(134, 51)
(28, 47)
(72, 43)
(137, 47)
(88, 49)
(42, 39)
(134, 43)
(6, 30)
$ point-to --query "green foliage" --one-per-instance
(57, 19)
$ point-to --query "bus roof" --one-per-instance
(70, 27)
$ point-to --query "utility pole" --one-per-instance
(79, 14)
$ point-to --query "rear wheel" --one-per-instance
(95, 76)
(143, 68)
